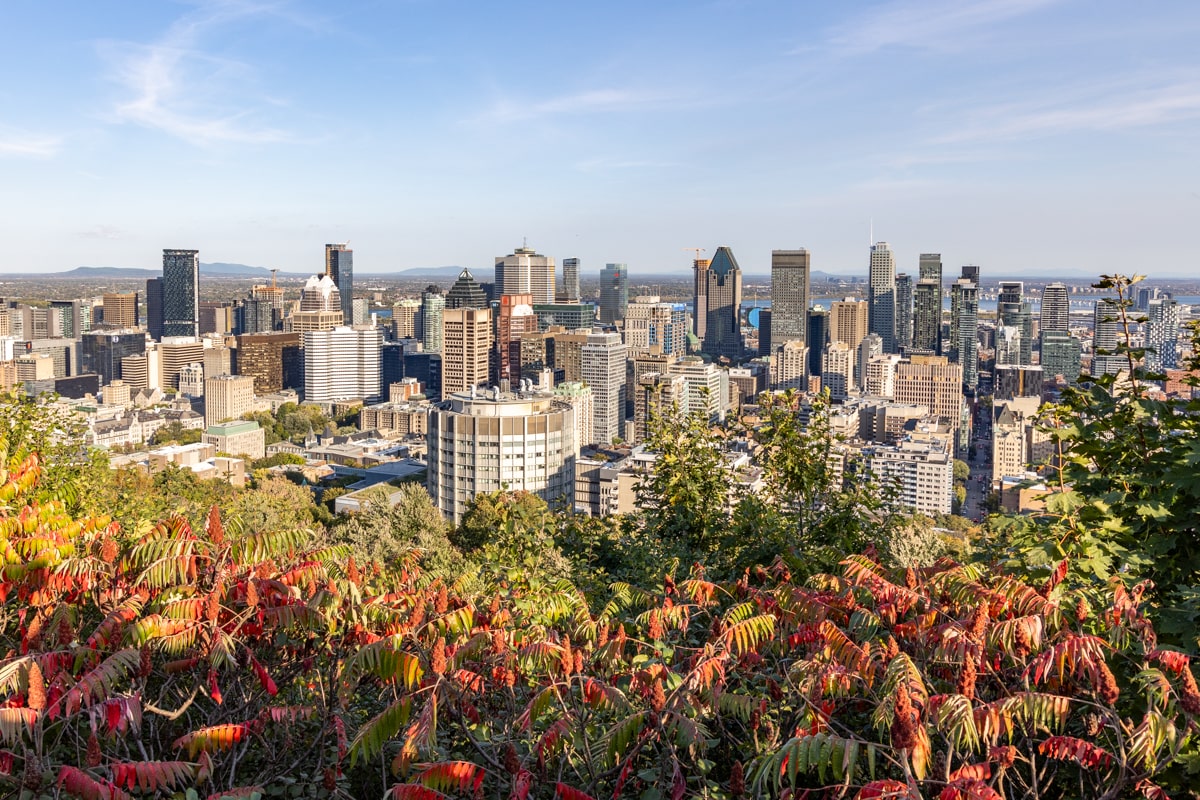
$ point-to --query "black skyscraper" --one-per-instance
(339, 265)
(154, 308)
(818, 337)
(181, 293)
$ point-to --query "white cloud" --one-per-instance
(593, 101)
(944, 25)
(180, 89)
(21, 144)
(1114, 109)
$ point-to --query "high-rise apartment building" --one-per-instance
(791, 366)
(971, 272)
(904, 312)
(934, 382)
(614, 292)
(837, 370)
(1056, 309)
(964, 328)
(1162, 335)
(339, 267)
(723, 305)
(705, 387)
(929, 267)
(525, 271)
(466, 348)
(927, 317)
(120, 309)
(342, 364)
(154, 308)
(254, 316)
(603, 368)
(1014, 311)
(870, 347)
(1061, 355)
(466, 293)
(1106, 337)
(227, 397)
(570, 287)
(492, 442)
(181, 292)
(881, 295)
(404, 318)
(433, 309)
(848, 321)
(790, 296)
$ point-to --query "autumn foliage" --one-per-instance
(227, 661)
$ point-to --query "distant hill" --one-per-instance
(230, 270)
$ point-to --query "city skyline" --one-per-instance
(1030, 136)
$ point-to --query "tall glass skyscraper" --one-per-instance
(723, 302)
(964, 328)
(789, 296)
(1056, 309)
(881, 295)
(1014, 311)
(181, 293)
(154, 308)
(570, 290)
(339, 266)
(433, 307)
(614, 292)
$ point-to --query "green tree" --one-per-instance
(174, 433)
(962, 471)
(686, 497)
(395, 522)
(512, 534)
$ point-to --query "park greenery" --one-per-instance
(173, 638)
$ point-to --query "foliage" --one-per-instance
(278, 460)
(513, 534)
(174, 433)
(808, 514)
(915, 544)
(391, 535)
(1128, 491)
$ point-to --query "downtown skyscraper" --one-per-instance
(1056, 309)
(723, 302)
(570, 284)
(339, 266)
(881, 295)
(614, 292)
(181, 293)
(904, 312)
(1015, 312)
(927, 306)
(964, 327)
(1162, 335)
(790, 296)
(525, 271)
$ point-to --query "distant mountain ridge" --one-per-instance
(219, 268)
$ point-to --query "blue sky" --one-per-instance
(1028, 136)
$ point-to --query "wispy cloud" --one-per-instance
(601, 164)
(21, 144)
(943, 25)
(102, 232)
(592, 101)
(179, 88)
(1113, 109)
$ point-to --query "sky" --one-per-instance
(1028, 136)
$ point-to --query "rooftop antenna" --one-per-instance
(871, 233)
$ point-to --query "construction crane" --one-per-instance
(273, 278)
(696, 250)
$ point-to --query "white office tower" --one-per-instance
(837, 370)
(227, 397)
(603, 368)
(881, 295)
(1008, 345)
(525, 271)
(489, 441)
(342, 364)
(1162, 335)
(705, 389)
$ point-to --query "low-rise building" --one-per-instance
(244, 438)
